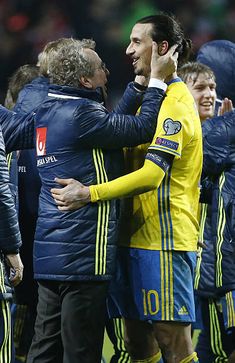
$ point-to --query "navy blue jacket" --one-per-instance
(219, 162)
(29, 99)
(216, 270)
(219, 55)
(217, 267)
(32, 95)
(77, 137)
(29, 185)
(10, 239)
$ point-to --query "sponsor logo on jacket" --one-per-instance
(41, 136)
(22, 169)
(46, 160)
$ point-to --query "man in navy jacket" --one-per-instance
(215, 272)
(74, 254)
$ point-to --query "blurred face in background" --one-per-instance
(140, 48)
(203, 89)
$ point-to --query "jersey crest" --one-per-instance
(171, 127)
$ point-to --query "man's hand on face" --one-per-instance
(226, 106)
(16, 268)
(73, 195)
(162, 66)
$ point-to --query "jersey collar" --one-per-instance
(177, 79)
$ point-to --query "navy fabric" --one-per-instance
(218, 262)
(215, 344)
(219, 55)
(32, 95)
(10, 239)
(13, 175)
(219, 164)
(29, 185)
(77, 126)
(77, 123)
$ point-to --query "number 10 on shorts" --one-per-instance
(150, 302)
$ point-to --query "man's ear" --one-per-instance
(85, 82)
(163, 47)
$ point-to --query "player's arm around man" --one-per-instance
(172, 134)
(171, 171)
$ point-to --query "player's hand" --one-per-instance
(16, 268)
(162, 66)
(201, 244)
(226, 106)
(72, 196)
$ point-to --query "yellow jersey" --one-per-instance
(167, 218)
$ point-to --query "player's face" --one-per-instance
(140, 48)
(204, 94)
(99, 78)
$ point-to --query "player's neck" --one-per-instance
(171, 77)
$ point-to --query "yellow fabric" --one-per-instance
(165, 218)
(147, 178)
(192, 358)
(230, 304)
(157, 358)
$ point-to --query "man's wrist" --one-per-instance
(139, 87)
(83, 195)
(87, 195)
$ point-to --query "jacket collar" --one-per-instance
(95, 95)
(40, 80)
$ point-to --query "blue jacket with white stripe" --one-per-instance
(77, 137)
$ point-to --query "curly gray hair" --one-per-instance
(50, 49)
(70, 63)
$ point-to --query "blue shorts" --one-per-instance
(228, 308)
(153, 285)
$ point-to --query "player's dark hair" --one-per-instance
(166, 27)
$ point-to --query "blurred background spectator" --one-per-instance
(27, 25)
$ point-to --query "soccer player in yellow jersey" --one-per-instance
(154, 281)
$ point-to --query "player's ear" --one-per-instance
(163, 47)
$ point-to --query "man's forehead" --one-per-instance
(202, 78)
(141, 30)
